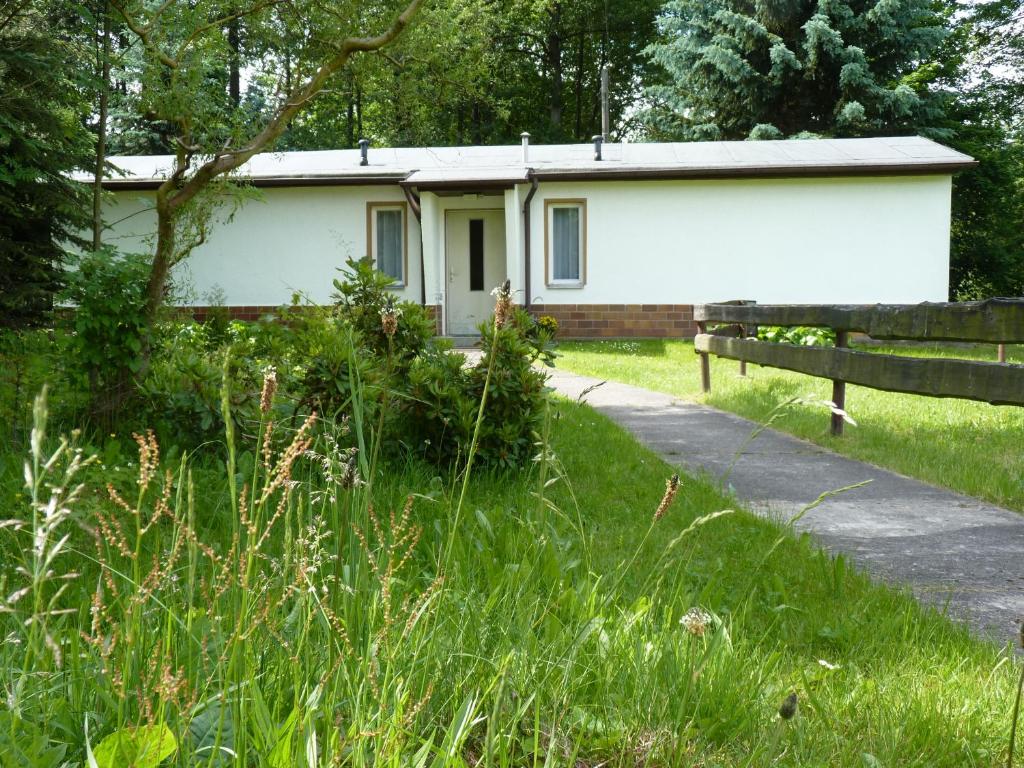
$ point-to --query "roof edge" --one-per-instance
(591, 174)
(366, 180)
(776, 172)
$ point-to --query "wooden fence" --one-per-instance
(725, 329)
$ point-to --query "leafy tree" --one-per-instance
(42, 138)
(482, 71)
(737, 69)
(187, 61)
(986, 120)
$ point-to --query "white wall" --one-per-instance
(852, 240)
(856, 240)
(287, 239)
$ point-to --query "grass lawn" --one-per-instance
(553, 638)
(974, 448)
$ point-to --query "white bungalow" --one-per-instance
(612, 240)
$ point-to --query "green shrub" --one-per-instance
(108, 325)
(334, 366)
(369, 358)
(548, 324)
(444, 395)
(181, 393)
(439, 411)
(515, 393)
(363, 299)
(801, 335)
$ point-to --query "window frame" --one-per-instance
(371, 235)
(549, 246)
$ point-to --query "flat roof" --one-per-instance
(497, 166)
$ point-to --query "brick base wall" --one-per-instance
(611, 321)
(249, 314)
(575, 321)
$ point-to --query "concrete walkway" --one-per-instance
(951, 550)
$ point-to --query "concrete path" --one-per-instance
(951, 550)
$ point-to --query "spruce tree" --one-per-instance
(42, 138)
(737, 69)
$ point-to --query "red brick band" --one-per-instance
(635, 321)
(575, 321)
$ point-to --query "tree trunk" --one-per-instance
(554, 50)
(101, 137)
(162, 258)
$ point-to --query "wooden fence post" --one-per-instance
(745, 331)
(1001, 353)
(705, 362)
(839, 389)
(743, 363)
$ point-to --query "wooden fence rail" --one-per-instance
(996, 321)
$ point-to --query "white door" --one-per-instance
(475, 256)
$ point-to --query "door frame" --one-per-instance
(444, 273)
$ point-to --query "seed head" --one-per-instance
(503, 305)
(350, 472)
(389, 315)
(696, 621)
(671, 488)
(269, 388)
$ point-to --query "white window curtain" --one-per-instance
(389, 243)
(566, 243)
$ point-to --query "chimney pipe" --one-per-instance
(526, 146)
(598, 141)
(364, 148)
(604, 102)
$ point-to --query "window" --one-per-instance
(476, 254)
(386, 238)
(565, 228)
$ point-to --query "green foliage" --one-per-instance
(309, 623)
(181, 393)
(439, 408)
(736, 71)
(341, 363)
(802, 335)
(444, 396)
(481, 72)
(515, 389)
(42, 139)
(108, 320)
(363, 299)
(23, 744)
(145, 746)
(336, 364)
(549, 325)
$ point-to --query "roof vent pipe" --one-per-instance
(526, 146)
(598, 141)
(364, 149)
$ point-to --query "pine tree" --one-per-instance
(739, 69)
(42, 138)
